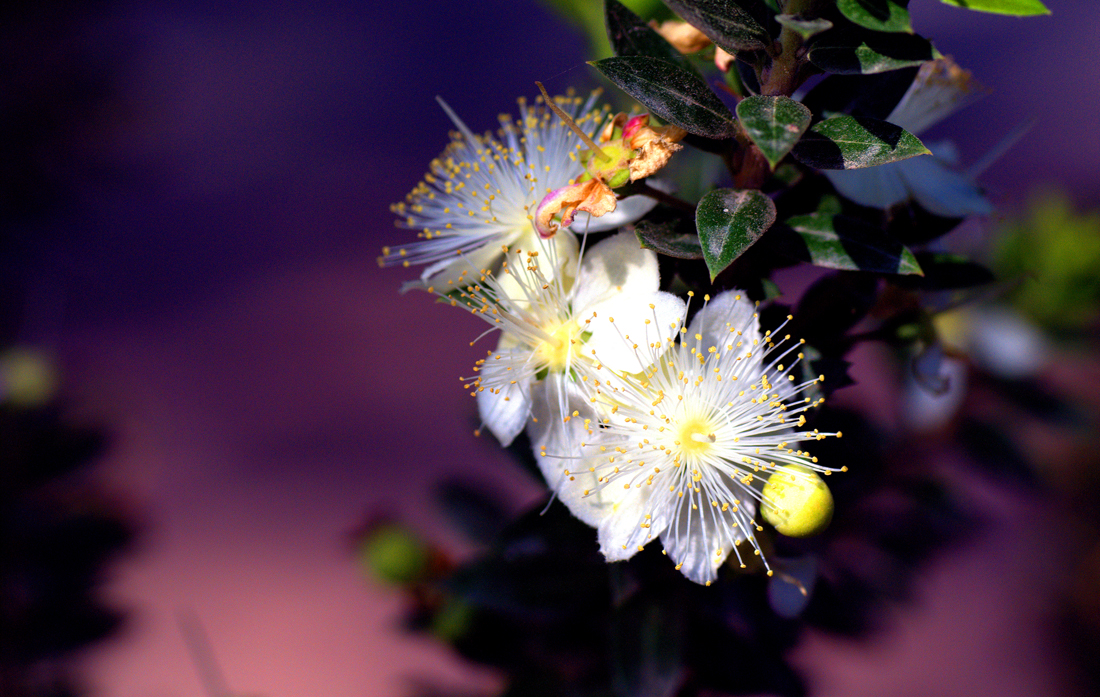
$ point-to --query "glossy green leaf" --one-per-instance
(774, 124)
(729, 221)
(805, 27)
(664, 238)
(726, 22)
(877, 15)
(1020, 8)
(837, 242)
(851, 142)
(630, 36)
(863, 52)
(674, 94)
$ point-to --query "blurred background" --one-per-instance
(193, 198)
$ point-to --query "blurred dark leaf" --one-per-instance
(676, 95)
(729, 221)
(873, 96)
(774, 124)
(910, 223)
(647, 644)
(1034, 398)
(994, 453)
(474, 513)
(832, 306)
(852, 142)
(543, 567)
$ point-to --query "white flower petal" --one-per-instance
(454, 272)
(504, 411)
(727, 310)
(625, 529)
(555, 255)
(615, 265)
(556, 444)
(701, 538)
(472, 204)
(625, 316)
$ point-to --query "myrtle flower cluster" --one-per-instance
(647, 422)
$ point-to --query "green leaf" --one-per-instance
(664, 238)
(862, 52)
(774, 124)
(671, 92)
(805, 27)
(838, 242)
(1020, 8)
(729, 221)
(851, 142)
(877, 15)
(725, 22)
(630, 36)
(947, 272)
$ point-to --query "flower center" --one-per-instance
(695, 436)
(560, 347)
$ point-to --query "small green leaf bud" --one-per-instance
(797, 502)
(393, 554)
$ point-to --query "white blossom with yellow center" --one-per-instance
(682, 450)
(480, 195)
(551, 325)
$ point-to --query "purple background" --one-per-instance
(214, 298)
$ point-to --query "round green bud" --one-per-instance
(28, 378)
(797, 502)
(393, 554)
(452, 620)
(619, 178)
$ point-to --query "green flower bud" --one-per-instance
(28, 378)
(619, 178)
(393, 554)
(797, 502)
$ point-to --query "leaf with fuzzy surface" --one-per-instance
(667, 239)
(630, 36)
(851, 142)
(672, 93)
(729, 221)
(877, 15)
(861, 52)
(838, 242)
(726, 22)
(774, 124)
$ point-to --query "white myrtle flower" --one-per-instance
(940, 89)
(550, 324)
(681, 451)
(481, 193)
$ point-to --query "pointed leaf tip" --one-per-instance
(729, 221)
